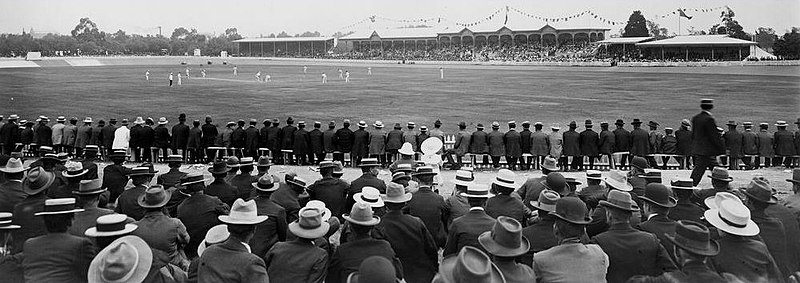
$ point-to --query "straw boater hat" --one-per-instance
(174, 158)
(5, 221)
(732, 217)
(361, 214)
(572, 210)
(90, 187)
(505, 178)
(404, 167)
(651, 174)
(139, 121)
(463, 178)
(547, 201)
(470, 265)
(37, 181)
(369, 162)
(594, 175)
(45, 148)
(297, 181)
(713, 202)
(406, 149)
(477, 191)
(619, 200)
(127, 259)
(110, 225)
(378, 124)
(549, 163)
(243, 212)
(87, 120)
(14, 165)
(683, 184)
(396, 193)
(162, 121)
(326, 212)
(215, 235)
(505, 239)
(399, 175)
(694, 238)
(59, 206)
(658, 194)
(142, 171)
(267, 183)
(761, 191)
(618, 180)
(74, 170)
(370, 196)
(424, 171)
(309, 225)
(154, 197)
(246, 161)
(720, 174)
(192, 178)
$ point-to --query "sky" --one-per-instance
(254, 18)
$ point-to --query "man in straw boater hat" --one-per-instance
(656, 204)
(35, 185)
(289, 195)
(706, 141)
(720, 182)
(220, 187)
(360, 142)
(215, 236)
(685, 209)
(115, 175)
(505, 243)
(73, 174)
(630, 251)
(369, 178)
(377, 143)
(57, 256)
(198, 211)
(504, 204)
(232, 260)
(594, 190)
(108, 228)
(348, 257)
(406, 152)
(615, 181)
(464, 231)
(299, 260)
(372, 197)
(540, 233)
(456, 204)
(784, 146)
(469, 265)
(587, 262)
(11, 188)
(88, 197)
(332, 191)
(409, 236)
(159, 230)
(758, 196)
(128, 201)
(273, 230)
(429, 206)
(740, 253)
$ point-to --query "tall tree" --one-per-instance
(637, 25)
(729, 26)
(766, 38)
(657, 31)
(788, 46)
(86, 30)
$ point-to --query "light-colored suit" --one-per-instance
(571, 262)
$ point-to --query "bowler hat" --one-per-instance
(547, 201)
(619, 200)
(266, 183)
(588, 123)
(619, 122)
(761, 191)
(658, 194)
(555, 181)
(397, 126)
(639, 162)
(374, 269)
(127, 259)
(243, 212)
(470, 265)
(573, 124)
(720, 174)
(462, 124)
(90, 187)
(37, 181)
(370, 196)
(215, 235)
(694, 238)
(154, 197)
(309, 225)
(396, 193)
(505, 239)
(636, 121)
(361, 214)
(114, 224)
(59, 206)
(14, 165)
(572, 210)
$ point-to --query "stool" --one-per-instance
(348, 159)
(524, 159)
(285, 153)
(470, 159)
(263, 151)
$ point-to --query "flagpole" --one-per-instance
(679, 24)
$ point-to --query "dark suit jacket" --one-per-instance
(273, 139)
(44, 135)
(622, 140)
(244, 185)
(632, 252)
(734, 141)
(11, 194)
(137, 136)
(333, 192)
(572, 143)
(686, 210)
(128, 204)
(360, 142)
(495, 142)
(505, 205)
(230, 262)
(148, 136)
(464, 231)
(238, 138)
(784, 143)
(348, 258)
(705, 137)
(210, 133)
(180, 136)
(414, 245)
(429, 206)
(606, 142)
(366, 180)
(161, 137)
(270, 231)
(791, 226)
(108, 135)
(394, 140)
(640, 142)
(315, 142)
(199, 213)
(750, 143)
(301, 142)
(251, 139)
(344, 140)
(590, 143)
(222, 190)
(289, 200)
(297, 261)
(747, 258)
(195, 139)
(774, 236)
(661, 225)
(541, 237)
(115, 177)
(525, 140)
(57, 257)
(513, 142)
(287, 136)
(32, 226)
(479, 142)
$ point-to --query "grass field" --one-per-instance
(400, 93)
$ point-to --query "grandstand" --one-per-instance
(286, 46)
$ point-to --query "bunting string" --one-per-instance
(484, 19)
(568, 18)
(690, 10)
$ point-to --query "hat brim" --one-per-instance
(358, 199)
(793, 181)
(144, 261)
(26, 186)
(554, 168)
(424, 174)
(372, 222)
(92, 232)
(13, 170)
(512, 185)
(43, 213)
(712, 216)
(162, 203)
(448, 265)
(10, 227)
(143, 174)
(401, 199)
(403, 152)
(315, 233)
(211, 170)
(463, 183)
(729, 179)
(66, 173)
(265, 164)
(711, 250)
(465, 194)
(369, 165)
(192, 182)
(771, 200)
(296, 183)
(625, 187)
(229, 220)
(585, 220)
(92, 192)
(494, 248)
(547, 207)
(671, 202)
(615, 206)
(594, 178)
(684, 188)
(274, 187)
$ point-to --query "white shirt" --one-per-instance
(122, 138)
(170, 77)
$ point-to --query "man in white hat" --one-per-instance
(300, 260)
(273, 230)
(11, 190)
(464, 231)
(456, 204)
(739, 253)
(232, 260)
(503, 204)
(540, 233)
(406, 152)
(377, 143)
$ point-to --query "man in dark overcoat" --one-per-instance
(784, 146)
(360, 143)
(572, 147)
(251, 140)
(316, 144)
(606, 143)
(301, 141)
(429, 206)
(409, 237)
(513, 143)
(706, 141)
(525, 144)
(734, 142)
(344, 141)
(622, 142)
(479, 143)
(394, 140)
(590, 144)
(497, 148)
(210, 133)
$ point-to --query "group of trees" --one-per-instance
(786, 46)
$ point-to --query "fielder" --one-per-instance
(341, 76)
(258, 76)
(369, 71)
(179, 78)
(347, 76)
(170, 79)
(324, 78)
(305, 69)
(147, 75)
(267, 78)
(441, 73)
(235, 70)
(203, 73)
(187, 72)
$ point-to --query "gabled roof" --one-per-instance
(283, 39)
(391, 33)
(518, 22)
(714, 39)
(625, 40)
